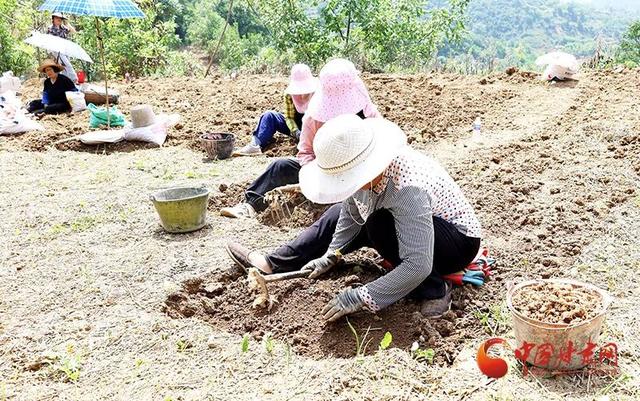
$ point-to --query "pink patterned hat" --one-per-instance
(341, 92)
(301, 81)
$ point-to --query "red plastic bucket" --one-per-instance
(81, 77)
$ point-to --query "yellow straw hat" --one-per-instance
(50, 63)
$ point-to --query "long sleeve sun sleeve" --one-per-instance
(414, 228)
(346, 228)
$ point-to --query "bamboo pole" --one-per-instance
(104, 69)
(215, 52)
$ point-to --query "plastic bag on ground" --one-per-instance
(98, 116)
(155, 133)
(13, 118)
(9, 83)
(76, 100)
(98, 137)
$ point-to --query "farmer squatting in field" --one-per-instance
(393, 199)
(341, 91)
(297, 95)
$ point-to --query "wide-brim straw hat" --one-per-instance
(301, 81)
(350, 152)
(50, 63)
(341, 92)
(142, 116)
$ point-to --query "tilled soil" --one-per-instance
(224, 300)
(557, 303)
(291, 210)
(427, 107)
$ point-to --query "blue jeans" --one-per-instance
(270, 123)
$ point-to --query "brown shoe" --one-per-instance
(435, 308)
(239, 254)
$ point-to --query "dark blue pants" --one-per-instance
(54, 108)
(452, 250)
(280, 172)
(270, 123)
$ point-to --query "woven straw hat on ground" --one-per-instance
(142, 116)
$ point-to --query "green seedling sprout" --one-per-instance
(386, 341)
(425, 355)
(245, 343)
(361, 344)
(268, 343)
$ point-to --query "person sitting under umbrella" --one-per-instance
(394, 199)
(61, 28)
(54, 98)
(302, 84)
(341, 91)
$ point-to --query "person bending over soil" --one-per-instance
(341, 92)
(54, 98)
(394, 199)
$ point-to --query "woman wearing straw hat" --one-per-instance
(341, 91)
(302, 84)
(395, 200)
(54, 98)
(60, 27)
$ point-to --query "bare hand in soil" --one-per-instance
(345, 303)
(557, 303)
(321, 265)
(257, 283)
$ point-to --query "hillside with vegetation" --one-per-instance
(515, 32)
(180, 37)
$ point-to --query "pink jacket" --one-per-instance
(311, 126)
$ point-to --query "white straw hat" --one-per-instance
(350, 152)
(142, 116)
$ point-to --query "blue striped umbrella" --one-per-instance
(95, 8)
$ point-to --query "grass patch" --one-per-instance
(496, 320)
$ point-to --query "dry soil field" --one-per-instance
(98, 303)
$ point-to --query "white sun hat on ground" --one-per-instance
(350, 152)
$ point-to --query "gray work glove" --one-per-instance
(347, 302)
(321, 265)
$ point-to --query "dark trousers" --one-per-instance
(53, 108)
(270, 123)
(452, 250)
(280, 172)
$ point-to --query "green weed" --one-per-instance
(386, 341)
(183, 345)
(83, 223)
(103, 177)
(140, 165)
(244, 346)
(268, 343)
(361, 344)
(69, 364)
(496, 320)
(423, 355)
